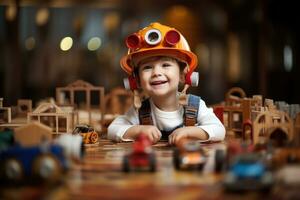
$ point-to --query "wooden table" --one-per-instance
(100, 176)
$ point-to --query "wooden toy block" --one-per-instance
(5, 113)
(32, 134)
(24, 106)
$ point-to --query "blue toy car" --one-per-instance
(248, 172)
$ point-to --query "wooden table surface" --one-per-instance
(100, 176)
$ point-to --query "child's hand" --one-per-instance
(152, 132)
(177, 135)
(192, 132)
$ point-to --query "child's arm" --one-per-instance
(151, 131)
(210, 123)
(121, 124)
(208, 127)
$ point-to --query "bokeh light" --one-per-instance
(94, 43)
(30, 43)
(66, 43)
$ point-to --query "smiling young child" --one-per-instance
(159, 60)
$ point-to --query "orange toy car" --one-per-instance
(89, 135)
(189, 154)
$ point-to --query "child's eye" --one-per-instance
(146, 67)
(166, 65)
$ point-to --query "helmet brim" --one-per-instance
(128, 62)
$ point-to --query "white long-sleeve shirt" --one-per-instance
(163, 120)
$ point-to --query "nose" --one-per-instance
(157, 70)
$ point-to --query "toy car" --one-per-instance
(247, 172)
(223, 157)
(141, 156)
(188, 155)
(44, 162)
(89, 135)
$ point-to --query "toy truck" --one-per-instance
(141, 157)
(45, 162)
(189, 155)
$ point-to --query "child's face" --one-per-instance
(159, 76)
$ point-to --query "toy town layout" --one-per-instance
(59, 150)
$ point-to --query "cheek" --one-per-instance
(177, 76)
(143, 79)
(177, 80)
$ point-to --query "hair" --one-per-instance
(181, 65)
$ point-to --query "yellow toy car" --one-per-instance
(89, 135)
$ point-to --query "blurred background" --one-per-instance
(251, 44)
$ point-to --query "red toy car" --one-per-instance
(141, 157)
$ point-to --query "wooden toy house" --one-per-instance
(118, 101)
(236, 110)
(88, 101)
(53, 116)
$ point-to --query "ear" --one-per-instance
(183, 73)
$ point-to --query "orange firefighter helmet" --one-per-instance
(158, 40)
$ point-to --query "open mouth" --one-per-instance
(158, 82)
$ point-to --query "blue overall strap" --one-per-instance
(191, 110)
(145, 113)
